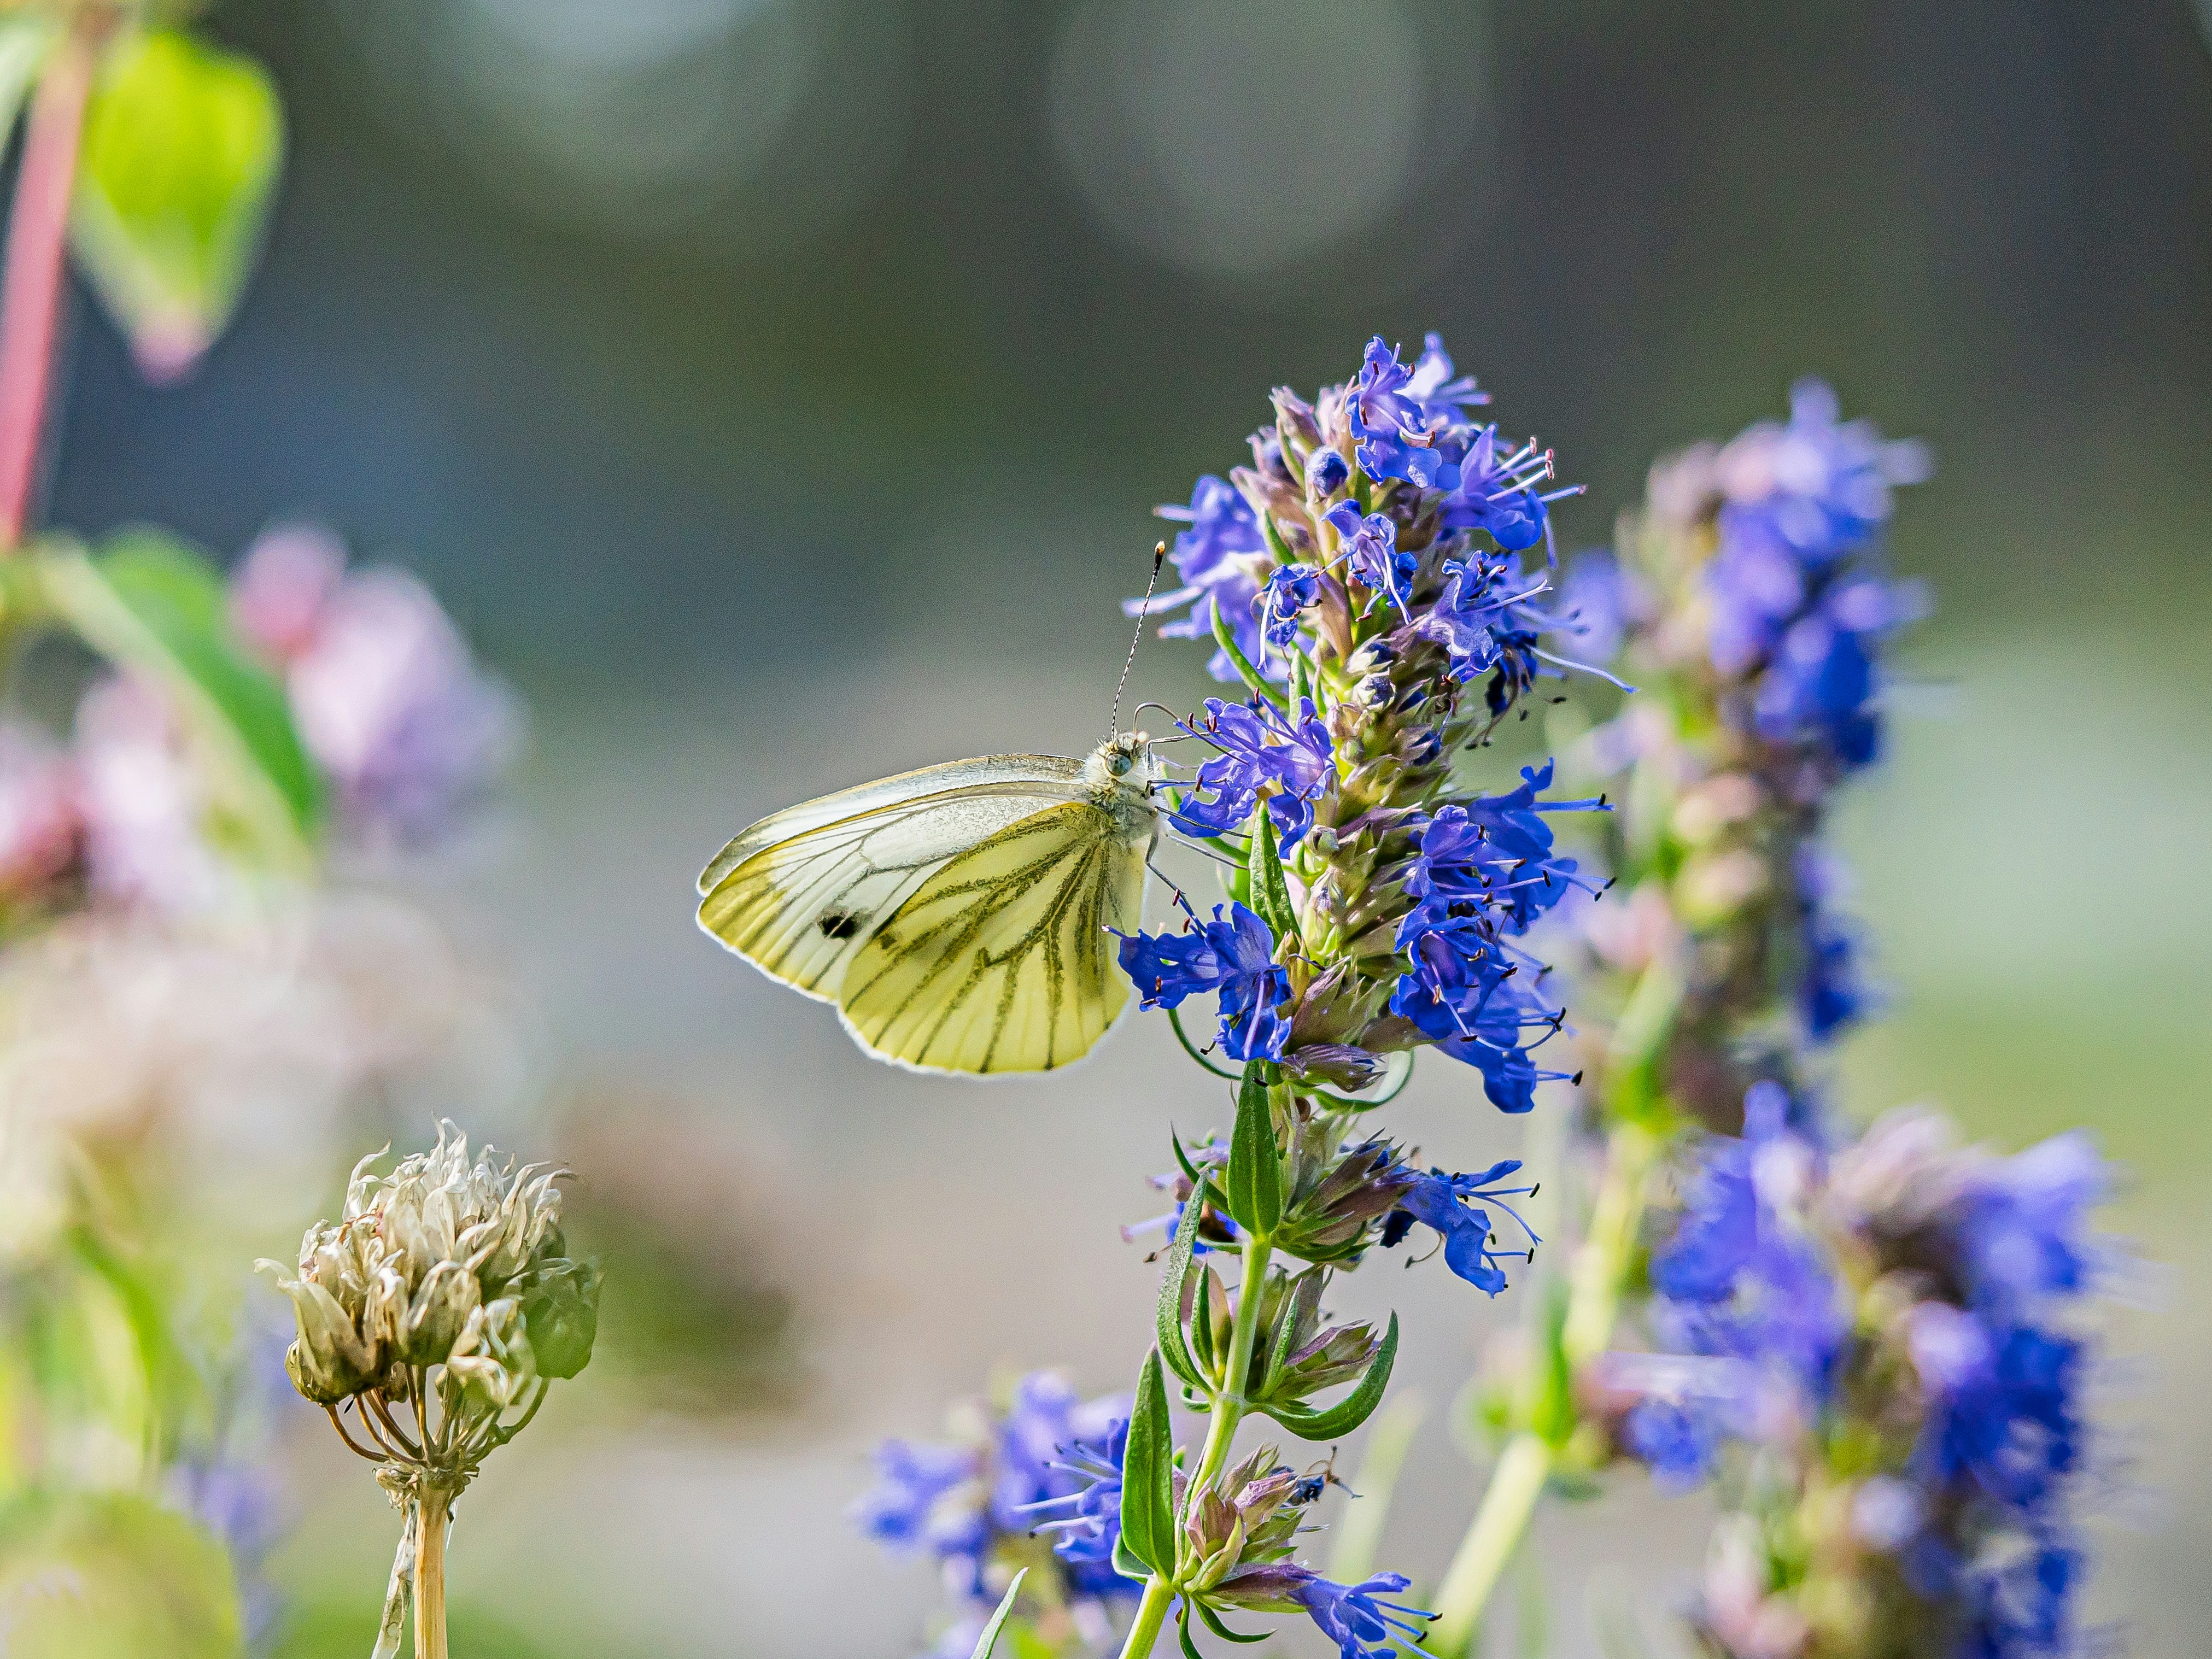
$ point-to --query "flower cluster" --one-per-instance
(1885, 1325)
(1359, 578)
(442, 1300)
(449, 1264)
(1032, 1482)
(1748, 597)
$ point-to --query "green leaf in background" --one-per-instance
(989, 1638)
(1148, 1525)
(113, 1577)
(182, 147)
(1167, 1318)
(1255, 1179)
(150, 604)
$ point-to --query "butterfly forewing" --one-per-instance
(799, 893)
(1001, 961)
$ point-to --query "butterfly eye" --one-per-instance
(1120, 763)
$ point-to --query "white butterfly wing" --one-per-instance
(1002, 960)
(800, 893)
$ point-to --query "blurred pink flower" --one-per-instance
(42, 818)
(143, 805)
(387, 698)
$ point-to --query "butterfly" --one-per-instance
(958, 915)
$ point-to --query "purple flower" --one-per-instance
(1741, 1278)
(387, 698)
(1795, 608)
(1371, 551)
(1446, 1203)
(2005, 1413)
(1267, 755)
(1494, 492)
(1235, 959)
(1291, 589)
(1495, 852)
(1598, 602)
(906, 1509)
(1216, 558)
(1056, 1451)
(2024, 1231)
(1354, 1616)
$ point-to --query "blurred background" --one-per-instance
(778, 390)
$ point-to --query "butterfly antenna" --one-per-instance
(1159, 557)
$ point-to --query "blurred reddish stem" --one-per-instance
(31, 293)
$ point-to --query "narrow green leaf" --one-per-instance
(1183, 1634)
(1213, 1623)
(1271, 894)
(182, 147)
(989, 1638)
(1349, 1413)
(1148, 1472)
(1251, 676)
(1254, 1179)
(1168, 1317)
(150, 604)
(1201, 1322)
(1305, 1298)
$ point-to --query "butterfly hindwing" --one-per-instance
(1000, 960)
(799, 893)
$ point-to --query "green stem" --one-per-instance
(1151, 1614)
(1596, 1286)
(1229, 1407)
(1507, 1507)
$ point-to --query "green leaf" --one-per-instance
(1304, 1299)
(560, 1311)
(1168, 1317)
(989, 1638)
(1126, 1563)
(1148, 1474)
(1349, 1413)
(113, 1577)
(1271, 894)
(1182, 1635)
(1254, 1181)
(148, 603)
(1251, 676)
(182, 147)
(1213, 1623)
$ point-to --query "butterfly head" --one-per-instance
(1121, 771)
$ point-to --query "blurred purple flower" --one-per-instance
(386, 695)
(1216, 559)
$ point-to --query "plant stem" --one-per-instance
(1596, 1286)
(31, 291)
(1151, 1614)
(1507, 1506)
(398, 1592)
(1228, 1409)
(434, 1512)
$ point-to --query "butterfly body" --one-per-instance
(958, 915)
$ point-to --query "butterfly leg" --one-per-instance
(1182, 902)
